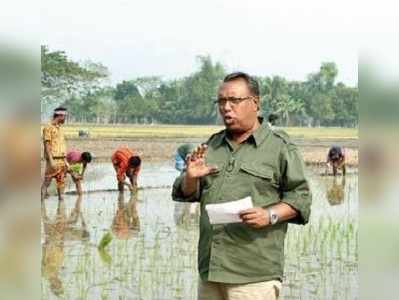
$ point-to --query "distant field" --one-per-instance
(170, 131)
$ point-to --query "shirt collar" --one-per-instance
(220, 139)
(258, 136)
(261, 133)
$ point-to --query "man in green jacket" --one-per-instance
(244, 260)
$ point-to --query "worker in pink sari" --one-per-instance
(77, 164)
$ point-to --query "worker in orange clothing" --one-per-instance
(126, 164)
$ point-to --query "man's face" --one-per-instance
(60, 119)
(240, 116)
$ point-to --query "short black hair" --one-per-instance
(253, 85)
(134, 161)
(86, 156)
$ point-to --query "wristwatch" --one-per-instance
(273, 217)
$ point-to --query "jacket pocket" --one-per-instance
(260, 178)
(262, 172)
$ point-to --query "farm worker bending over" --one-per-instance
(77, 165)
(336, 159)
(126, 164)
(180, 157)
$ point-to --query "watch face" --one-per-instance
(274, 218)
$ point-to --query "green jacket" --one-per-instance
(267, 167)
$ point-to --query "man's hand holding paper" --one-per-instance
(228, 212)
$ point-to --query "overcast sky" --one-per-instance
(141, 38)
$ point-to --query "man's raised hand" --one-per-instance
(196, 166)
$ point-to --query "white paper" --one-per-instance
(227, 212)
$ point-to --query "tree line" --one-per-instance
(85, 89)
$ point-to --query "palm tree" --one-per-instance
(287, 105)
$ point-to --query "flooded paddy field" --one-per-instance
(152, 241)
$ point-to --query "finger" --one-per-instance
(192, 157)
(202, 150)
(213, 169)
(250, 220)
(195, 153)
(252, 223)
(249, 217)
(200, 154)
(247, 211)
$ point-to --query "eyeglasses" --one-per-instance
(233, 100)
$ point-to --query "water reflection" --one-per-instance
(154, 245)
(336, 192)
(56, 232)
(186, 213)
(126, 222)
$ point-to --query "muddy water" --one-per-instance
(101, 176)
(152, 254)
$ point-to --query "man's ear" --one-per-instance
(257, 103)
